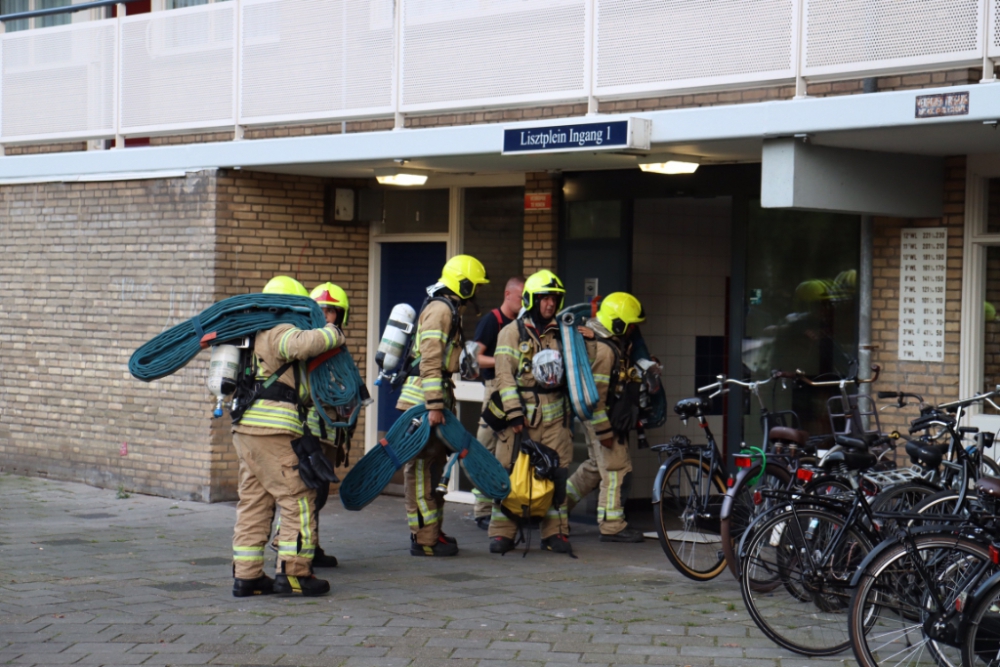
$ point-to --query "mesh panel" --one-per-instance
(316, 58)
(843, 34)
(177, 69)
(59, 81)
(463, 52)
(662, 44)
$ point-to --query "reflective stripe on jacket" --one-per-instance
(273, 349)
(436, 357)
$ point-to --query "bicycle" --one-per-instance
(919, 595)
(687, 498)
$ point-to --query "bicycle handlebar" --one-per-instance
(717, 387)
(800, 376)
(964, 402)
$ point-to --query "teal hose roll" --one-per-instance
(405, 439)
(580, 383)
(334, 378)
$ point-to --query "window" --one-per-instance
(594, 220)
(55, 19)
(416, 211)
(13, 7)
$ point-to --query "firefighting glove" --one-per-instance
(314, 468)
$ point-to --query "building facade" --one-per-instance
(158, 160)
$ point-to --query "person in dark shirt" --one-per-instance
(487, 331)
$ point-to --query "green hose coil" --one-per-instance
(405, 439)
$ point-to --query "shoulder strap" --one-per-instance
(497, 314)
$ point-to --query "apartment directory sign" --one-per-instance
(923, 274)
(629, 134)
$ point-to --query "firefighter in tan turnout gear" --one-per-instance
(268, 437)
(437, 345)
(609, 349)
(534, 403)
(333, 300)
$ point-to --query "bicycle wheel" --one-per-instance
(940, 503)
(814, 555)
(893, 604)
(745, 503)
(687, 518)
(900, 498)
(981, 643)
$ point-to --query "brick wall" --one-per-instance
(270, 225)
(541, 228)
(90, 272)
(936, 382)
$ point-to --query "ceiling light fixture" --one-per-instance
(400, 176)
(669, 167)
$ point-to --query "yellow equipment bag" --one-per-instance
(529, 496)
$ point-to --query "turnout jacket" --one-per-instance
(437, 345)
(273, 348)
(603, 361)
(515, 381)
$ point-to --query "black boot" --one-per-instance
(310, 586)
(624, 535)
(483, 522)
(244, 588)
(501, 545)
(558, 543)
(440, 548)
(322, 559)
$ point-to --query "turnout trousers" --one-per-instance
(554, 435)
(605, 468)
(488, 438)
(268, 479)
(424, 507)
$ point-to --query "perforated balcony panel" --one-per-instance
(177, 69)
(466, 53)
(853, 35)
(59, 82)
(316, 58)
(651, 45)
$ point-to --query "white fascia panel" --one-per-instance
(742, 121)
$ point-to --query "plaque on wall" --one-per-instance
(923, 274)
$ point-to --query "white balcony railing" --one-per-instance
(257, 62)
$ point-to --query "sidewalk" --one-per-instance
(93, 580)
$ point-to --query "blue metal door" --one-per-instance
(407, 270)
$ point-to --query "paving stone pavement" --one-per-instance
(94, 580)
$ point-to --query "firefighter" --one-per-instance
(486, 335)
(333, 300)
(608, 338)
(265, 437)
(534, 403)
(434, 358)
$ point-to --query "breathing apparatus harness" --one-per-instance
(411, 358)
(635, 396)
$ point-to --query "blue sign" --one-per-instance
(553, 138)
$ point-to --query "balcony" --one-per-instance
(253, 63)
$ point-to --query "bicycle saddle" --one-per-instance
(927, 456)
(989, 486)
(689, 407)
(788, 435)
(853, 460)
(851, 443)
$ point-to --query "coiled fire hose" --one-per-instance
(405, 439)
(334, 379)
(579, 378)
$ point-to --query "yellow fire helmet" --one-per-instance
(539, 284)
(462, 273)
(285, 285)
(329, 295)
(618, 310)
